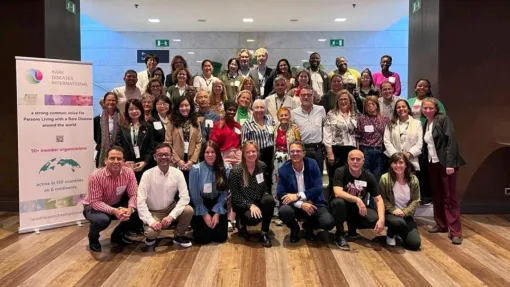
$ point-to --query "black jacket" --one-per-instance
(325, 79)
(145, 143)
(159, 135)
(268, 87)
(445, 143)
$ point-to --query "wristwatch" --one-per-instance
(298, 196)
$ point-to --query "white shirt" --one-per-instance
(301, 186)
(201, 83)
(123, 96)
(157, 190)
(273, 103)
(402, 194)
(317, 82)
(429, 140)
(416, 109)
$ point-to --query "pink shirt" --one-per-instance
(394, 78)
(106, 190)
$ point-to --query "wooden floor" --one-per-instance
(60, 257)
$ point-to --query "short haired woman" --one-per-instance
(400, 191)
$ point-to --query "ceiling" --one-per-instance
(227, 15)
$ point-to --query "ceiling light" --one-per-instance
(304, 61)
(250, 40)
(322, 40)
(191, 53)
(201, 20)
(340, 20)
(176, 40)
(247, 20)
(199, 61)
(154, 20)
(293, 20)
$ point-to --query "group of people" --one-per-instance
(249, 147)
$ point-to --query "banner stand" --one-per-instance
(55, 141)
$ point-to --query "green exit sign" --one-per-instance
(70, 6)
(416, 5)
(162, 43)
(336, 42)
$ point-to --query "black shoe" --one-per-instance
(120, 239)
(265, 239)
(352, 234)
(150, 246)
(243, 232)
(182, 241)
(341, 242)
(94, 245)
(309, 235)
(294, 235)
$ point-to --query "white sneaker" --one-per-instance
(391, 241)
(230, 227)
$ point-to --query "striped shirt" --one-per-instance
(263, 136)
(106, 190)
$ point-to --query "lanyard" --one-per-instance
(205, 80)
(134, 134)
(276, 102)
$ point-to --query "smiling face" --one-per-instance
(151, 64)
(336, 83)
(147, 105)
(399, 166)
(306, 97)
(134, 112)
(402, 110)
(182, 77)
(262, 59)
(155, 88)
(184, 108)
(207, 69)
(178, 63)
(355, 160)
(365, 79)
(230, 113)
(284, 68)
(385, 63)
(341, 64)
(232, 67)
(429, 109)
(422, 89)
(217, 88)
(247, 85)
(280, 87)
(110, 102)
(203, 99)
(209, 155)
(315, 60)
(162, 107)
(130, 79)
(114, 161)
(258, 109)
(163, 156)
(296, 153)
(244, 100)
(371, 107)
(158, 74)
(387, 91)
(250, 154)
(303, 79)
(344, 103)
(244, 58)
(284, 116)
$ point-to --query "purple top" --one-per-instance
(394, 78)
(370, 130)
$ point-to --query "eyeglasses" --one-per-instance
(163, 155)
(306, 95)
(295, 151)
(162, 104)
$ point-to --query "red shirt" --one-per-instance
(106, 190)
(227, 137)
(281, 140)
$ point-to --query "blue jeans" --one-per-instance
(373, 160)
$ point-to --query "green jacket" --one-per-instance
(231, 85)
(386, 191)
(423, 119)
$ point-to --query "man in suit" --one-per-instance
(261, 74)
(299, 190)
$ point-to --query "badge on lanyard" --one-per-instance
(260, 178)
(186, 147)
(136, 149)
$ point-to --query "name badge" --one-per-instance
(369, 129)
(186, 147)
(232, 84)
(237, 131)
(120, 190)
(391, 80)
(236, 83)
(157, 125)
(136, 149)
(270, 129)
(208, 188)
(261, 91)
(361, 183)
(209, 123)
(260, 178)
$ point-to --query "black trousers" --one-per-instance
(321, 219)
(423, 178)
(406, 228)
(266, 155)
(202, 234)
(315, 151)
(341, 153)
(343, 210)
(99, 220)
(266, 205)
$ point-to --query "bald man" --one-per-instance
(352, 188)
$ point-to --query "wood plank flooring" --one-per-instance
(59, 257)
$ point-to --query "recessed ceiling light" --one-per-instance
(322, 40)
(176, 40)
(304, 60)
(201, 20)
(340, 20)
(294, 20)
(247, 20)
(250, 40)
(191, 53)
(199, 61)
(154, 20)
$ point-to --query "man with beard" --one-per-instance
(244, 61)
(129, 91)
(157, 203)
(350, 77)
(151, 62)
(319, 78)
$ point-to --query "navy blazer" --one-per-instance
(287, 182)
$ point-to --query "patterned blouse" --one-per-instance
(339, 129)
(370, 130)
(244, 196)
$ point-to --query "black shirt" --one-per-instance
(245, 196)
(359, 187)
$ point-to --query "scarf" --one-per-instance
(105, 135)
(242, 113)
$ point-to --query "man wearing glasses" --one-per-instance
(351, 187)
(309, 119)
(299, 190)
(157, 206)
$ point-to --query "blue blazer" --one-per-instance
(287, 182)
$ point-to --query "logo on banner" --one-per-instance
(34, 76)
(54, 163)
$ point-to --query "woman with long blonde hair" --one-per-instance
(251, 200)
(217, 97)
